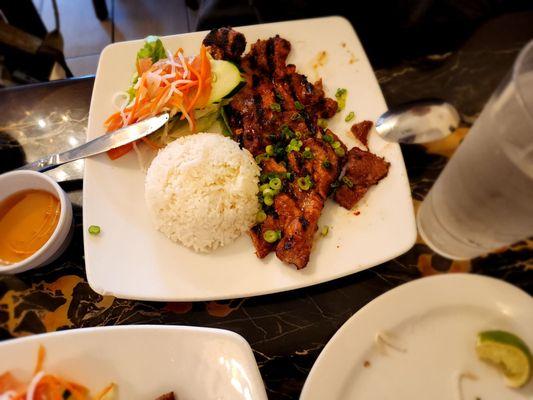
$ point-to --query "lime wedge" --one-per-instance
(508, 352)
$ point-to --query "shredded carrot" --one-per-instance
(9, 382)
(105, 391)
(48, 386)
(119, 151)
(143, 65)
(41, 354)
(198, 89)
(163, 87)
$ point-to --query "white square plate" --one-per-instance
(130, 259)
(144, 361)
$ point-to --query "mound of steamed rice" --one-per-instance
(201, 191)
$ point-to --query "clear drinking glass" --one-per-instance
(483, 199)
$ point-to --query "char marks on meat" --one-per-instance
(280, 108)
(275, 96)
(363, 170)
(278, 105)
(225, 44)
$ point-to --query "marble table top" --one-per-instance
(287, 331)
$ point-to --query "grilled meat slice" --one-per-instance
(298, 210)
(324, 166)
(262, 247)
(267, 58)
(287, 208)
(275, 96)
(225, 44)
(257, 117)
(270, 165)
(297, 241)
(361, 131)
(363, 169)
(276, 106)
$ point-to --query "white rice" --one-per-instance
(201, 191)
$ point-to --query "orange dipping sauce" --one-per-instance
(27, 220)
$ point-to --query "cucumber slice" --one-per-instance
(226, 77)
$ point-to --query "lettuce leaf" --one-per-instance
(153, 48)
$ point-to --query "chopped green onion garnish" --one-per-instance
(263, 187)
(347, 181)
(327, 138)
(260, 157)
(336, 144)
(286, 131)
(340, 152)
(350, 116)
(298, 105)
(279, 96)
(94, 229)
(307, 154)
(275, 183)
(270, 236)
(289, 176)
(341, 92)
(279, 150)
(294, 145)
(269, 150)
(341, 96)
(266, 177)
(322, 123)
(260, 216)
(326, 164)
(304, 183)
(268, 192)
(268, 200)
(275, 107)
(325, 230)
(296, 116)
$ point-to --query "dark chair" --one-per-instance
(29, 51)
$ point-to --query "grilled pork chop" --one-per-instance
(280, 108)
(363, 170)
(225, 44)
(277, 106)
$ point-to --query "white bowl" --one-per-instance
(16, 181)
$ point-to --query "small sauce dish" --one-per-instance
(32, 205)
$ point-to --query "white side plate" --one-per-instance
(129, 259)
(144, 361)
(433, 322)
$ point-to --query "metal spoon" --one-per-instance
(418, 122)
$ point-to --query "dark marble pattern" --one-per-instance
(287, 331)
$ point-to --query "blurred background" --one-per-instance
(43, 40)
